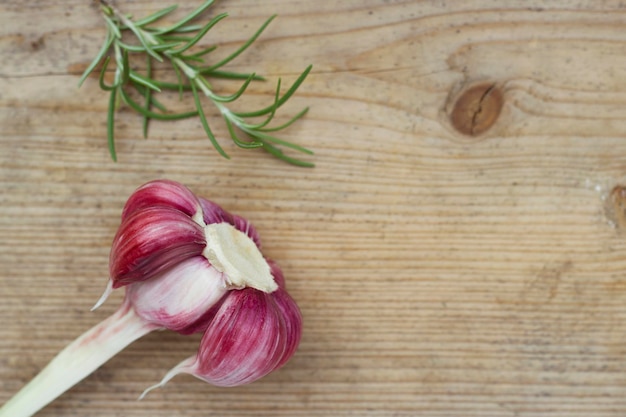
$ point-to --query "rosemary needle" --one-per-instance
(177, 45)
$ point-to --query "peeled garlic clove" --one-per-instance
(152, 240)
(163, 193)
(232, 252)
(181, 298)
(213, 213)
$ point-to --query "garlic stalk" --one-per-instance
(187, 266)
(79, 359)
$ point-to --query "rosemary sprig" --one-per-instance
(177, 46)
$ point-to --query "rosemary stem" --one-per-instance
(118, 68)
(148, 37)
(189, 72)
(174, 45)
(79, 359)
(193, 75)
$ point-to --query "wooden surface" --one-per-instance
(438, 274)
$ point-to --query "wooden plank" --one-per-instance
(439, 274)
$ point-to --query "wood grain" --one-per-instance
(438, 274)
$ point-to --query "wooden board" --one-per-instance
(439, 274)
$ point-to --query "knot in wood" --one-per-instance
(476, 109)
(616, 206)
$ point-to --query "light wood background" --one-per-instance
(438, 274)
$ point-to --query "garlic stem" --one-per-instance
(79, 359)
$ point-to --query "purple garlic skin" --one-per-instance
(252, 334)
(190, 266)
(160, 300)
(153, 240)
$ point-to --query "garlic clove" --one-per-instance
(289, 310)
(232, 252)
(213, 213)
(179, 298)
(244, 342)
(163, 193)
(152, 240)
(293, 323)
(252, 334)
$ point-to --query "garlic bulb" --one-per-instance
(188, 266)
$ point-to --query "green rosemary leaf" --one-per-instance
(164, 85)
(187, 29)
(236, 95)
(147, 97)
(178, 39)
(243, 47)
(144, 81)
(101, 53)
(153, 115)
(261, 136)
(187, 18)
(141, 48)
(179, 79)
(155, 16)
(287, 124)
(106, 9)
(166, 45)
(140, 36)
(111, 123)
(204, 122)
(102, 74)
(130, 48)
(277, 153)
(282, 100)
(203, 52)
(115, 30)
(199, 35)
(153, 101)
(125, 67)
(193, 59)
(271, 115)
(229, 75)
(237, 141)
